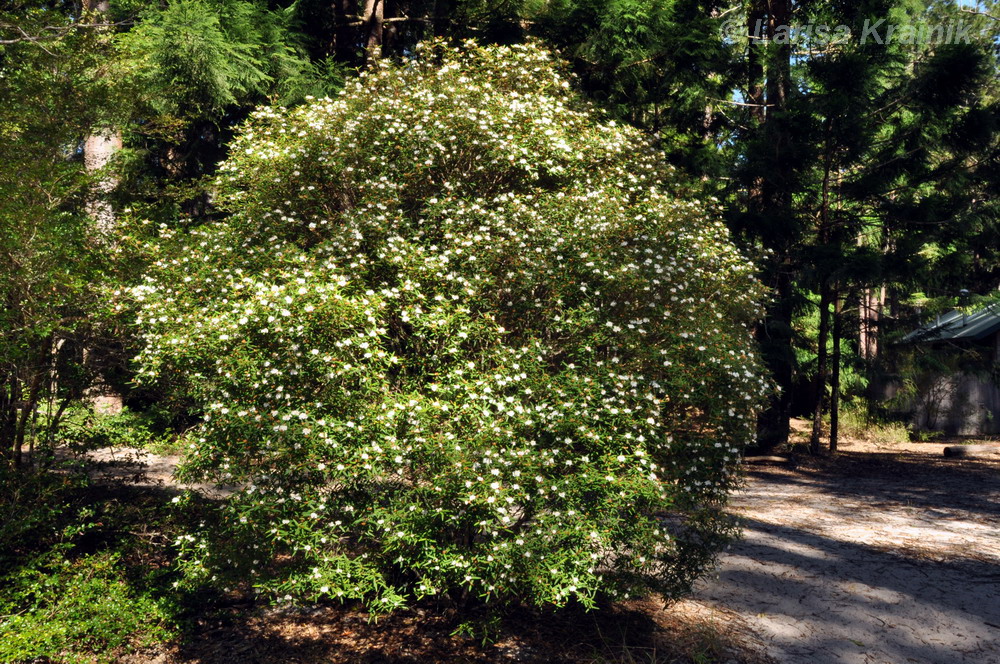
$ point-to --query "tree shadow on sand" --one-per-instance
(820, 598)
(902, 478)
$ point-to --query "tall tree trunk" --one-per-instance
(821, 372)
(869, 313)
(770, 198)
(373, 16)
(778, 180)
(779, 71)
(838, 310)
(98, 150)
(757, 31)
(825, 237)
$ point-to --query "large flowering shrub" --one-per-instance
(457, 335)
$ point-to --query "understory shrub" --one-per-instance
(83, 429)
(81, 610)
(71, 587)
(458, 335)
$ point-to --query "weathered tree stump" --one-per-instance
(970, 451)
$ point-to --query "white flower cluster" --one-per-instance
(458, 332)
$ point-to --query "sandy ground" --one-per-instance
(143, 469)
(882, 556)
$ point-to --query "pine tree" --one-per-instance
(849, 158)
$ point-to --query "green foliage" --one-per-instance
(659, 65)
(853, 164)
(853, 378)
(198, 57)
(858, 422)
(51, 266)
(29, 506)
(78, 581)
(458, 336)
(78, 610)
(192, 70)
(922, 436)
(83, 429)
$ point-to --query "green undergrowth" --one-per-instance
(83, 429)
(857, 422)
(80, 610)
(86, 572)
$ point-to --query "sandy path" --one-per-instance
(877, 558)
(140, 468)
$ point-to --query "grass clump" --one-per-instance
(858, 422)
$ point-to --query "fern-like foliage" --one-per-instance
(202, 56)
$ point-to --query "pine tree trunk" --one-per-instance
(755, 89)
(821, 370)
(838, 309)
(779, 72)
(770, 197)
(872, 300)
(826, 238)
(756, 29)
